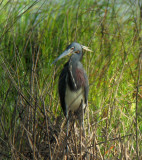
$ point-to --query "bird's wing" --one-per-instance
(62, 87)
(86, 88)
(86, 82)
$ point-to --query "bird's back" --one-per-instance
(72, 88)
(62, 87)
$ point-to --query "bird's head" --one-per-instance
(73, 49)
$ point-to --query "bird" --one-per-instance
(73, 85)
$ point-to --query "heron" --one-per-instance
(73, 83)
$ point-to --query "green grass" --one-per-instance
(33, 34)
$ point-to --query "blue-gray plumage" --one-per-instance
(73, 82)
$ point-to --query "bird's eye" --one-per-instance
(77, 52)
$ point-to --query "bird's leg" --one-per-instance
(82, 130)
(67, 116)
(81, 127)
(82, 118)
(67, 124)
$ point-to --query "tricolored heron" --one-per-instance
(73, 81)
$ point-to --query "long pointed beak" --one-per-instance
(65, 53)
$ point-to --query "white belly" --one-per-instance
(73, 99)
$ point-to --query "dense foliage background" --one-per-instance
(32, 34)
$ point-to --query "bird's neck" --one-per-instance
(75, 75)
(72, 75)
(76, 58)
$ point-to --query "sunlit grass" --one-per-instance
(33, 34)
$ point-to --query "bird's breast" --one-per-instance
(73, 98)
